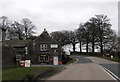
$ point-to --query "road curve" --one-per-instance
(83, 69)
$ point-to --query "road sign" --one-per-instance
(18, 57)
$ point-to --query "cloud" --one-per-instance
(58, 14)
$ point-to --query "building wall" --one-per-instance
(8, 58)
(34, 48)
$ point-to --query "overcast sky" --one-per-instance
(59, 14)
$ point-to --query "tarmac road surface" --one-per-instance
(83, 69)
(113, 67)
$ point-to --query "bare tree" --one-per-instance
(59, 36)
(29, 27)
(5, 23)
(79, 35)
(18, 30)
(102, 23)
(71, 38)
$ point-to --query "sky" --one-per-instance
(57, 15)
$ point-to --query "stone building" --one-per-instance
(45, 49)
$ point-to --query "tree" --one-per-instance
(18, 30)
(59, 36)
(65, 37)
(86, 35)
(93, 32)
(5, 23)
(80, 34)
(111, 41)
(70, 37)
(102, 23)
(28, 27)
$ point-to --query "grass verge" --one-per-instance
(71, 60)
(19, 73)
(116, 59)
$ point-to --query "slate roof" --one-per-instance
(45, 37)
(17, 43)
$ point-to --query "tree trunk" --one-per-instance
(26, 36)
(73, 47)
(80, 47)
(87, 47)
(101, 45)
(93, 44)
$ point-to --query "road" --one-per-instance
(111, 66)
(86, 68)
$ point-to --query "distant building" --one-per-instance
(44, 49)
(19, 46)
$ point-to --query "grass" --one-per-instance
(20, 73)
(72, 60)
(116, 59)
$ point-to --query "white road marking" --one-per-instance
(107, 71)
(110, 72)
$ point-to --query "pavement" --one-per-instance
(84, 69)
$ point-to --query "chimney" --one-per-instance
(44, 30)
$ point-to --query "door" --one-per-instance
(55, 60)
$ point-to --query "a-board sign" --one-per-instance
(55, 60)
(27, 63)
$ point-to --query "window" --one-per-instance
(43, 47)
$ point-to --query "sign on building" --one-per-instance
(54, 45)
(18, 57)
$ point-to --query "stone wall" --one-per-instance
(8, 57)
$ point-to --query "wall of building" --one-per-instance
(8, 57)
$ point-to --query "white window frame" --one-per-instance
(43, 47)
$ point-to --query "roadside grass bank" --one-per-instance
(32, 73)
(69, 60)
(115, 55)
(116, 59)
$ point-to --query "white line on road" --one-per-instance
(107, 71)
(110, 72)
